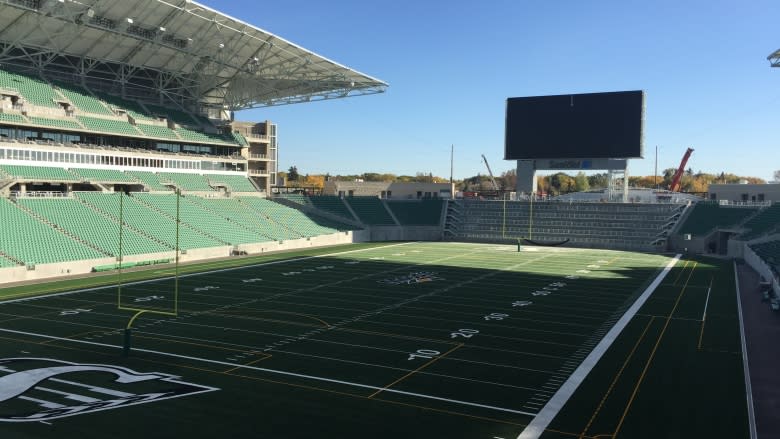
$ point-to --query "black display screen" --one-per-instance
(588, 125)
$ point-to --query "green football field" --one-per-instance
(384, 341)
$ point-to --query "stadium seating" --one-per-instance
(234, 182)
(39, 173)
(108, 126)
(293, 219)
(765, 221)
(88, 225)
(196, 217)
(301, 199)
(157, 131)
(150, 179)
(768, 251)
(279, 227)
(103, 175)
(610, 225)
(34, 90)
(141, 217)
(331, 204)
(55, 123)
(26, 239)
(5, 263)
(187, 182)
(242, 214)
(82, 99)
(197, 136)
(134, 109)
(370, 210)
(241, 140)
(706, 216)
(423, 212)
(177, 116)
(12, 118)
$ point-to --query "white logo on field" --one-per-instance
(37, 389)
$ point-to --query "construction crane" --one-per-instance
(492, 179)
(675, 186)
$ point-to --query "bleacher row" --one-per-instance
(372, 211)
(155, 181)
(752, 221)
(626, 226)
(106, 113)
(86, 226)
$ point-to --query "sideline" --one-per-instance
(542, 420)
(745, 368)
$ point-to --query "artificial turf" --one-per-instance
(381, 341)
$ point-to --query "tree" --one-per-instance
(318, 181)
(509, 179)
(292, 173)
(581, 183)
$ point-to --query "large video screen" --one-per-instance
(588, 125)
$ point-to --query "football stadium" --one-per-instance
(153, 284)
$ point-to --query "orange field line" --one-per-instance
(416, 370)
(617, 377)
(652, 354)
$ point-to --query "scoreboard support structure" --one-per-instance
(617, 174)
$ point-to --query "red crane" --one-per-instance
(675, 186)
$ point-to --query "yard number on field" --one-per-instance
(496, 316)
(424, 353)
(148, 298)
(71, 312)
(466, 333)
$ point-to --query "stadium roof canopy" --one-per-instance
(774, 58)
(162, 51)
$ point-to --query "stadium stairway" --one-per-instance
(60, 229)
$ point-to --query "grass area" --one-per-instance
(468, 340)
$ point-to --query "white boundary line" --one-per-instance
(540, 422)
(200, 273)
(706, 302)
(745, 368)
(273, 371)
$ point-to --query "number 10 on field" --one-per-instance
(424, 353)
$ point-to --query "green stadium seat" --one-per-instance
(103, 175)
(84, 222)
(108, 126)
(236, 183)
(370, 210)
(55, 123)
(417, 212)
(707, 216)
(25, 238)
(143, 216)
(39, 173)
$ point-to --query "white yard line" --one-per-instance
(745, 368)
(706, 302)
(273, 371)
(200, 273)
(540, 422)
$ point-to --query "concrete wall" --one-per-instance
(406, 233)
(735, 192)
(761, 267)
(398, 190)
(43, 271)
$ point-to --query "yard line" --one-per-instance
(273, 371)
(200, 273)
(540, 422)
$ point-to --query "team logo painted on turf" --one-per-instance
(42, 389)
(412, 278)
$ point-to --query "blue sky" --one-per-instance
(451, 65)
